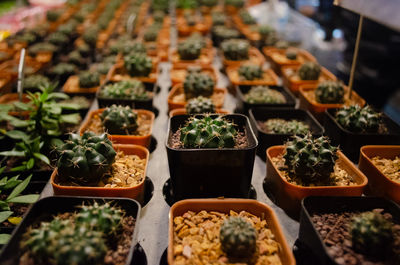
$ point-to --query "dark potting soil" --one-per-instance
(18, 208)
(334, 229)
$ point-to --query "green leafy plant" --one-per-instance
(359, 119)
(264, 95)
(138, 64)
(235, 49)
(121, 120)
(250, 71)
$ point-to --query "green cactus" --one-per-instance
(33, 82)
(359, 119)
(329, 92)
(41, 47)
(85, 159)
(89, 79)
(281, 126)
(246, 17)
(138, 64)
(53, 15)
(264, 95)
(75, 58)
(62, 69)
(291, 54)
(27, 37)
(151, 33)
(198, 84)
(90, 36)
(189, 49)
(250, 71)
(119, 120)
(310, 160)
(309, 71)
(57, 38)
(225, 33)
(208, 132)
(158, 16)
(84, 49)
(265, 31)
(209, 3)
(235, 49)
(371, 234)
(282, 44)
(238, 237)
(235, 3)
(131, 89)
(200, 105)
(103, 68)
(68, 29)
(218, 18)
(197, 37)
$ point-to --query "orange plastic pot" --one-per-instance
(254, 207)
(205, 59)
(269, 78)
(72, 87)
(378, 183)
(119, 73)
(178, 74)
(218, 97)
(318, 109)
(182, 111)
(136, 192)
(288, 196)
(123, 139)
(255, 57)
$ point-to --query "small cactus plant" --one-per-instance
(120, 120)
(58, 38)
(34, 82)
(85, 159)
(309, 71)
(359, 119)
(90, 36)
(371, 234)
(264, 95)
(235, 49)
(131, 89)
(198, 84)
(246, 17)
(265, 31)
(189, 50)
(200, 105)
(53, 15)
(291, 54)
(89, 79)
(76, 58)
(41, 47)
(208, 132)
(310, 160)
(62, 69)
(329, 92)
(238, 237)
(281, 126)
(250, 72)
(151, 34)
(138, 64)
(225, 33)
(235, 3)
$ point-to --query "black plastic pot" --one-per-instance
(266, 140)
(211, 172)
(309, 236)
(350, 142)
(46, 208)
(244, 107)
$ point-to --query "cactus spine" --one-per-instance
(119, 120)
(329, 92)
(359, 119)
(198, 84)
(200, 105)
(309, 71)
(264, 95)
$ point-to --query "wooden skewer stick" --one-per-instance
(355, 56)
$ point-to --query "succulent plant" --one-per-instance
(85, 159)
(41, 47)
(265, 31)
(84, 49)
(131, 89)
(238, 237)
(27, 37)
(198, 84)
(89, 79)
(190, 20)
(235, 49)
(235, 3)
(103, 68)
(310, 160)
(225, 33)
(282, 44)
(76, 58)
(33, 82)
(68, 28)
(281, 126)
(53, 15)
(250, 71)
(264, 95)
(186, 4)
(138, 64)
(62, 69)
(90, 36)
(189, 50)
(158, 16)
(209, 3)
(218, 18)
(309, 71)
(291, 54)
(200, 105)
(371, 234)
(151, 33)
(128, 47)
(57, 38)
(359, 119)
(246, 17)
(197, 37)
(208, 132)
(329, 92)
(119, 120)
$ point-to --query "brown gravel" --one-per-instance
(389, 167)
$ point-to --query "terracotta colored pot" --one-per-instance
(118, 73)
(269, 78)
(288, 196)
(255, 57)
(205, 59)
(178, 74)
(218, 97)
(254, 207)
(182, 111)
(71, 87)
(136, 192)
(378, 183)
(123, 139)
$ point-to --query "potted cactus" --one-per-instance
(204, 148)
(233, 6)
(125, 125)
(75, 230)
(355, 126)
(90, 165)
(42, 52)
(246, 17)
(235, 233)
(191, 52)
(58, 39)
(221, 33)
(178, 74)
(237, 51)
(86, 83)
(62, 71)
(249, 74)
(198, 105)
(308, 166)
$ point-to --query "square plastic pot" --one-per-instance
(211, 172)
(311, 238)
(350, 142)
(46, 208)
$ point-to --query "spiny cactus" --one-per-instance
(225, 33)
(265, 31)
(208, 132)
(68, 28)
(103, 68)
(76, 58)
(281, 126)
(189, 50)
(58, 38)
(235, 3)
(33, 82)
(158, 16)
(282, 44)
(218, 18)
(311, 160)
(235, 49)
(89, 79)
(197, 37)
(359, 119)
(41, 47)
(250, 72)
(138, 64)
(291, 54)
(200, 105)
(329, 92)
(246, 17)
(151, 34)
(62, 69)
(238, 237)
(264, 95)
(53, 15)
(132, 89)
(198, 84)
(309, 71)
(371, 234)
(90, 36)
(120, 120)
(85, 159)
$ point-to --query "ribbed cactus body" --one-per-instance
(120, 120)
(200, 105)
(198, 84)
(281, 126)
(250, 72)
(329, 92)
(309, 71)
(89, 79)
(359, 119)
(264, 95)
(236, 49)
(131, 89)
(138, 64)
(189, 49)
